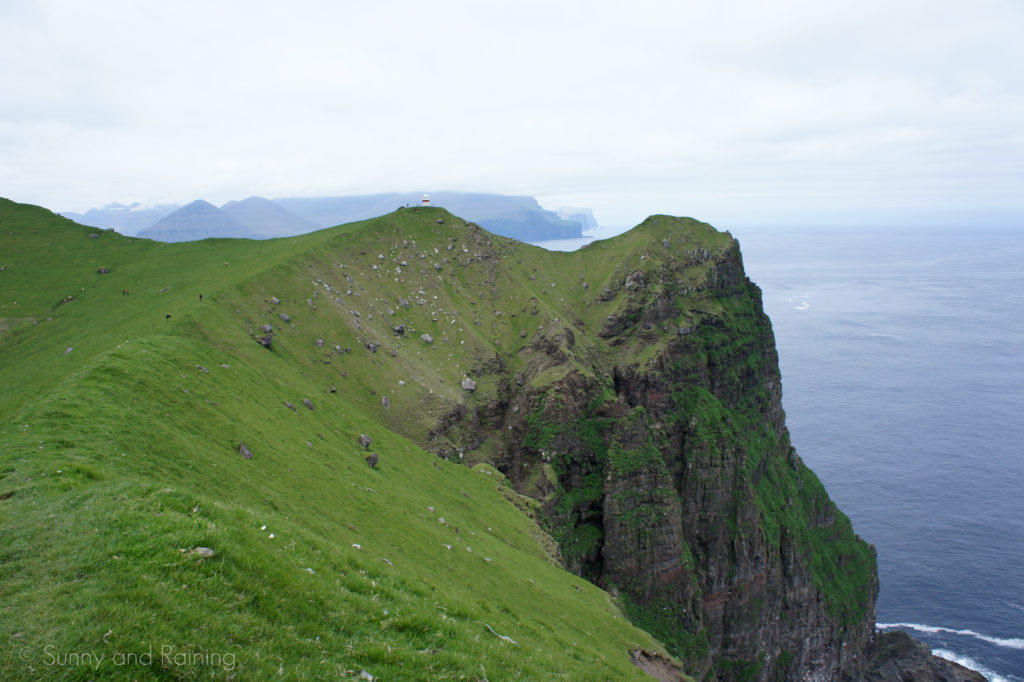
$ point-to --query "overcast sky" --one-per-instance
(736, 112)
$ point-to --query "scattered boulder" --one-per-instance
(202, 552)
(275, 300)
(265, 341)
(399, 330)
(318, 343)
(267, 328)
(655, 665)
(289, 406)
(635, 280)
(365, 441)
(103, 271)
(469, 385)
(372, 460)
(385, 402)
(666, 243)
(94, 236)
(285, 318)
(308, 403)
(427, 338)
(202, 369)
(245, 452)
(372, 347)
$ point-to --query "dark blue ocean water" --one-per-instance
(902, 356)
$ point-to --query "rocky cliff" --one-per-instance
(654, 434)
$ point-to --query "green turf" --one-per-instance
(125, 399)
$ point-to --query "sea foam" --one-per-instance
(1008, 642)
(970, 663)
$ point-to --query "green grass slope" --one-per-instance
(124, 402)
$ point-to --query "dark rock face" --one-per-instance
(672, 482)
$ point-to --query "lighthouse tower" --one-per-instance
(426, 200)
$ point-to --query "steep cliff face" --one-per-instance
(651, 427)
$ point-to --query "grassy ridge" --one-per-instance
(120, 458)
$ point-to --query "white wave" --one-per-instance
(968, 662)
(804, 300)
(1008, 642)
(886, 336)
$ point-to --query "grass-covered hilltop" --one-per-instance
(406, 449)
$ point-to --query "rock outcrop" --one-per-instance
(897, 657)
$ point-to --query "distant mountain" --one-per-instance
(198, 220)
(330, 211)
(266, 218)
(125, 218)
(519, 217)
(583, 216)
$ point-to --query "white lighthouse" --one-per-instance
(426, 200)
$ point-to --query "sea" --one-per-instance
(902, 358)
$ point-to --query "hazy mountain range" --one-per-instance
(520, 217)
